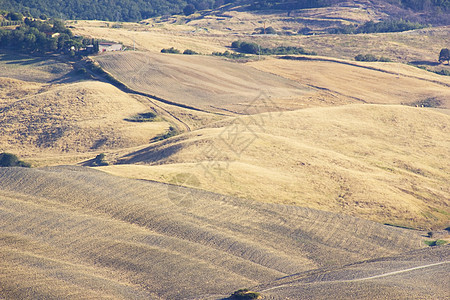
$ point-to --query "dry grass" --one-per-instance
(77, 233)
(216, 34)
(69, 118)
(32, 68)
(384, 163)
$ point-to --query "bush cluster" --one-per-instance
(190, 52)
(370, 57)
(170, 50)
(244, 294)
(378, 27)
(228, 54)
(11, 160)
(253, 48)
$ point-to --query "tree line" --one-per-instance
(36, 36)
(135, 10)
(383, 26)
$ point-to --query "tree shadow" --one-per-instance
(424, 62)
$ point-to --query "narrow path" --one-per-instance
(178, 120)
(357, 279)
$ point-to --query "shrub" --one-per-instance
(189, 9)
(428, 102)
(443, 72)
(236, 44)
(268, 30)
(372, 58)
(99, 160)
(10, 160)
(172, 132)
(250, 48)
(244, 294)
(189, 52)
(444, 55)
(229, 54)
(253, 48)
(170, 50)
(143, 117)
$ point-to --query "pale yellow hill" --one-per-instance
(13, 89)
(79, 117)
(77, 233)
(384, 163)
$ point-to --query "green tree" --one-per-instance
(13, 16)
(10, 160)
(444, 55)
(189, 9)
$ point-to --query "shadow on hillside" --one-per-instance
(149, 154)
(21, 59)
(423, 62)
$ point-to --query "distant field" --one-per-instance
(208, 83)
(385, 163)
(72, 232)
(216, 34)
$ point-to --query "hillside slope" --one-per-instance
(72, 232)
(384, 163)
(68, 118)
(417, 275)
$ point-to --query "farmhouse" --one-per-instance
(107, 47)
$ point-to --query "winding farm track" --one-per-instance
(127, 238)
(419, 274)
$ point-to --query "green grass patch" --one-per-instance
(435, 243)
(170, 133)
(143, 117)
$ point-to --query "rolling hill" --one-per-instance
(313, 177)
(73, 232)
(70, 118)
(206, 83)
(384, 163)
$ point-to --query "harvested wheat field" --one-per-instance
(202, 82)
(381, 83)
(77, 117)
(384, 163)
(77, 233)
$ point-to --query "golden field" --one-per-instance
(314, 177)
